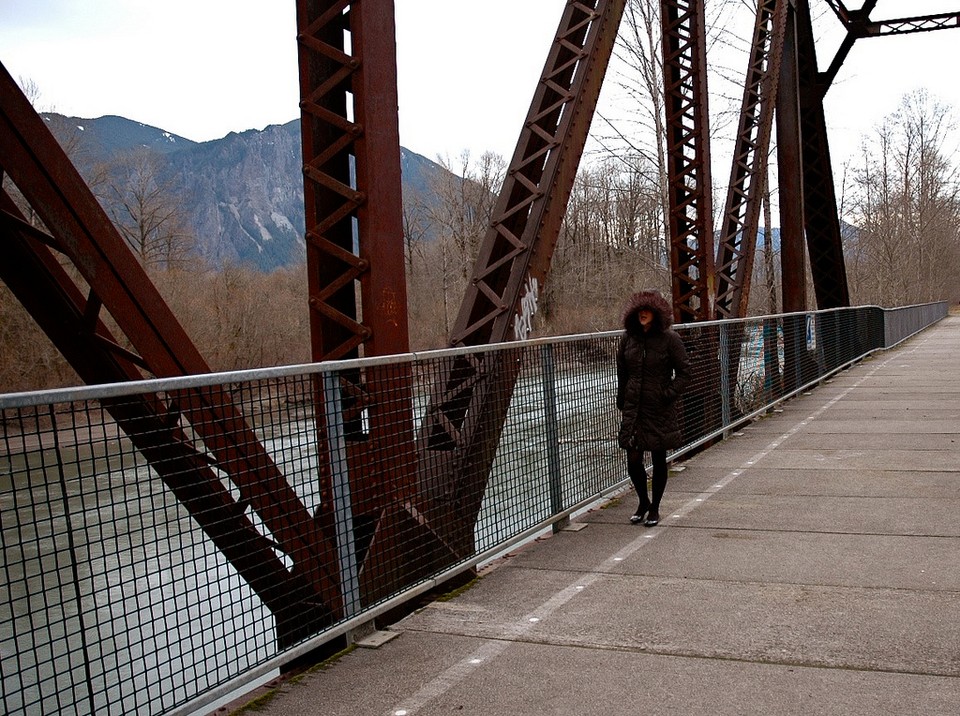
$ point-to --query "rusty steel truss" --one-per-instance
(741, 216)
(689, 182)
(810, 226)
(70, 268)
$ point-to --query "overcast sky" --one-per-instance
(466, 68)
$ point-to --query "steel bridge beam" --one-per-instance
(352, 188)
(355, 258)
(688, 159)
(790, 167)
(463, 425)
(821, 213)
(741, 217)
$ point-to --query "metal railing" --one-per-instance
(120, 596)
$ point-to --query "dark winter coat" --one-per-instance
(652, 372)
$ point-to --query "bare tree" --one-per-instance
(610, 243)
(146, 210)
(907, 208)
(457, 218)
(640, 77)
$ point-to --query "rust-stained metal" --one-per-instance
(859, 24)
(82, 234)
(462, 428)
(351, 150)
(355, 257)
(688, 159)
(738, 233)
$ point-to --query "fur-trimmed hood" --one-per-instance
(652, 300)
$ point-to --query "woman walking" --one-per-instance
(652, 371)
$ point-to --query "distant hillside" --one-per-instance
(241, 196)
(110, 135)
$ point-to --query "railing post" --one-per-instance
(342, 502)
(725, 393)
(553, 434)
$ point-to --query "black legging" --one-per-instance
(638, 476)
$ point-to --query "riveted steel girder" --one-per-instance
(352, 190)
(688, 159)
(469, 405)
(355, 252)
(738, 234)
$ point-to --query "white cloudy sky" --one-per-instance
(466, 68)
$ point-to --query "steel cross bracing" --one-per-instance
(858, 22)
(737, 240)
(462, 427)
(821, 218)
(78, 231)
(808, 173)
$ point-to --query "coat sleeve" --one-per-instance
(681, 367)
(621, 373)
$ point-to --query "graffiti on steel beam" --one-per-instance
(523, 321)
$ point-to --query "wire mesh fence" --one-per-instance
(166, 541)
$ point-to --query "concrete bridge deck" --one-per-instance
(808, 565)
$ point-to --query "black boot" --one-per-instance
(659, 487)
(640, 485)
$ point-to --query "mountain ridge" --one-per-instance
(240, 196)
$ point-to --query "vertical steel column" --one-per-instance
(352, 191)
(688, 159)
(792, 258)
(355, 248)
(690, 190)
(822, 219)
(792, 249)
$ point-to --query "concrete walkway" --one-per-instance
(808, 565)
